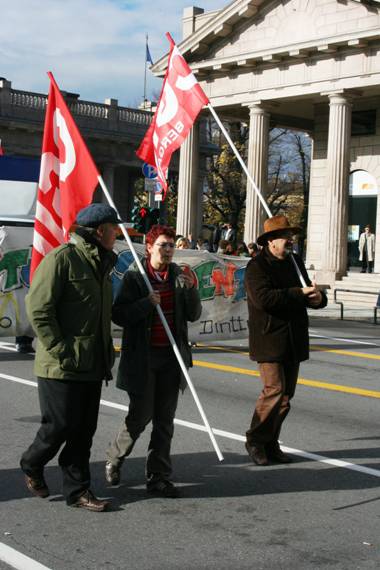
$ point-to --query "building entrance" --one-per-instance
(362, 210)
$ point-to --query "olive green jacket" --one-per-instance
(69, 307)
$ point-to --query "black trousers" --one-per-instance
(366, 263)
(69, 415)
(158, 404)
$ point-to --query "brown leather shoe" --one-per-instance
(112, 473)
(257, 454)
(37, 486)
(89, 502)
(276, 455)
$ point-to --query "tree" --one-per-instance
(225, 189)
(288, 176)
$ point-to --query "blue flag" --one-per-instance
(148, 57)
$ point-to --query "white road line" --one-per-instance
(8, 346)
(17, 560)
(350, 340)
(234, 436)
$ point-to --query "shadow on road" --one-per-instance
(199, 476)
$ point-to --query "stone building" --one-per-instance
(312, 65)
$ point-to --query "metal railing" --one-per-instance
(375, 308)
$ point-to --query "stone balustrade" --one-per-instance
(22, 105)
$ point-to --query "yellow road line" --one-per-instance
(345, 352)
(313, 347)
(304, 381)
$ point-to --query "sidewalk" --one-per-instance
(351, 313)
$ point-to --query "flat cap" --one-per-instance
(94, 215)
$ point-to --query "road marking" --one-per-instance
(312, 348)
(345, 352)
(17, 560)
(248, 372)
(233, 436)
(350, 340)
(8, 346)
(303, 381)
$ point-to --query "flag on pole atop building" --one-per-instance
(148, 57)
(68, 177)
(181, 100)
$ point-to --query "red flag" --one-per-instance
(181, 100)
(68, 177)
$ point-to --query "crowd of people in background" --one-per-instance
(222, 240)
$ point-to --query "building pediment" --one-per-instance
(248, 32)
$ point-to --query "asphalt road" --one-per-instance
(322, 511)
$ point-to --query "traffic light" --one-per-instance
(143, 218)
(152, 218)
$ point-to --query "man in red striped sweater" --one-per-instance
(148, 368)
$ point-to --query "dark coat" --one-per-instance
(134, 312)
(278, 321)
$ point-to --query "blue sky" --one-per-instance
(94, 47)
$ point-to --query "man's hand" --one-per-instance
(188, 280)
(314, 297)
(154, 298)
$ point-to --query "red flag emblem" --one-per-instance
(68, 177)
(181, 100)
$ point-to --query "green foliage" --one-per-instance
(289, 156)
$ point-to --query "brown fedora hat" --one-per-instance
(274, 225)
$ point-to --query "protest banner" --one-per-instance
(220, 280)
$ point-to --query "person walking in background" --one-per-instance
(367, 249)
(182, 243)
(149, 370)
(242, 250)
(278, 334)
(253, 249)
(229, 233)
(69, 307)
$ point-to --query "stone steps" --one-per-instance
(358, 282)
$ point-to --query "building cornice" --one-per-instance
(221, 26)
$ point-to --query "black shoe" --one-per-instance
(37, 486)
(112, 473)
(89, 502)
(276, 455)
(257, 454)
(164, 489)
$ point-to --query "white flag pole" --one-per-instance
(165, 324)
(247, 173)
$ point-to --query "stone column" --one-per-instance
(258, 168)
(188, 186)
(338, 164)
(377, 233)
(108, 173)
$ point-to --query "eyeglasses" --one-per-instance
(166, 244)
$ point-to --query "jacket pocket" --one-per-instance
(81, 358)
(267, 325)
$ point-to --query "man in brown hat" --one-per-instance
(278, 333)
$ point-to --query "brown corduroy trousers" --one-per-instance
(273, 404)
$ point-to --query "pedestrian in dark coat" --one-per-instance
(149, 370)
(278, 333)
(69, 307)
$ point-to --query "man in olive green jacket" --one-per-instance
(69, 306)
